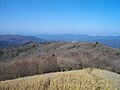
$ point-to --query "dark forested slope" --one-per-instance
(13, 40)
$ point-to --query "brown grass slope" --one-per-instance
(86, 79)
(33, 59)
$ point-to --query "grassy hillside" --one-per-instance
(86, 79)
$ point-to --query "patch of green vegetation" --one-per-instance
(72, 47)
(106, 51)
(1, 53)
(95, 45)
(26, 49)
(117, 54)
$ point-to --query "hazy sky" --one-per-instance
(96, 17)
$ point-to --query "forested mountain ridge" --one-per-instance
(14, 40)
(35, 58)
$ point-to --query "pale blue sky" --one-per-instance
(95, 17)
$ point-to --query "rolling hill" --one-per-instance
(14, 40)
(33, 59)
(86, 79)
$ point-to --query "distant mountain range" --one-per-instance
(14, 40)
(112, 41)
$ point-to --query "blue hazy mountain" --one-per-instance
(13, 40)
(112, 41)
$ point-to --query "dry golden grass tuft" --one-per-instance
(86, 79)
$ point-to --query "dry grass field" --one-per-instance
(86, 79)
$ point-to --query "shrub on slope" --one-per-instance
(86, 79)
